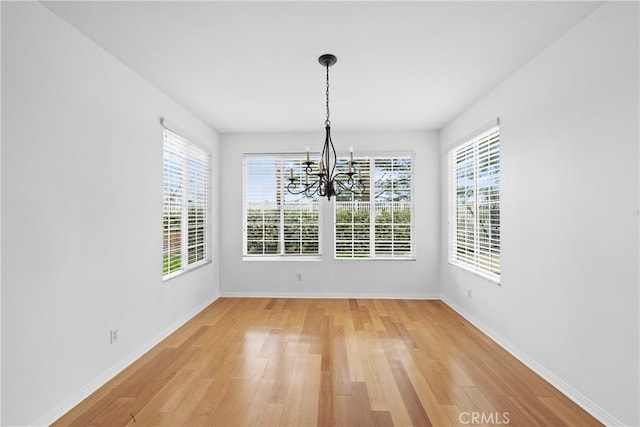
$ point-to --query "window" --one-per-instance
(185, 209)
(377, 224)
(475, 208)
(276, 222)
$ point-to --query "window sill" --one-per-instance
(191, 268)
(488, 276)
(310, 258)
(376, 259)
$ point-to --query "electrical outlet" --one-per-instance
(113, 336)
(469, 293)
(299, 277)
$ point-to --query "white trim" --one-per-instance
(332, 295)
(169, 125)
(481, 129)
(412, 258)
(557, 382)
(178, 273)
(282, 258)
(493, 278)
(72, 401)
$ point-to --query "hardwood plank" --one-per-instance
(376, 374)
(282, 376)
(271, 304)
(570, 413)
(439, 413)
(175, 403)
(305, 362)
(382, 419)
(325, 400)
(411, 400)
(271, 415)
(360, 404)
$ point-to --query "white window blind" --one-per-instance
(475, 208)
(185, 206)
(377, 224)
(276, 222)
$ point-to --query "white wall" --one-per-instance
(81, 215)
(329, 277)
(568, 301)
(0, 221)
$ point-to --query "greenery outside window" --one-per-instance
(474, 235)
(276, 222)
(377, 224)
(185, 213)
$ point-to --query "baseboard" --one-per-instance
(328, 295)
(573, 394)
(72, 401)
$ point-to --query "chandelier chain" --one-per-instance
(327, 122)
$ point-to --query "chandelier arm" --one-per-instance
(335, 157)
(308, 169)
(313, 193)
(359, 184)
(348, 186)
(292, 187)
(352, 185)
(344, 187)
(324, 157)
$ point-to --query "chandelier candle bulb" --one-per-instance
(290, 171)
(320, 166)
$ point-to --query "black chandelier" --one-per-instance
(325, 181)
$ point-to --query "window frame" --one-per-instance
(285, 159)
(198, 182)
(473, 143)
(373, 256)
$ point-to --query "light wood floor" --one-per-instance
(307, 362)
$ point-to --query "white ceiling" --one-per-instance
(252, 66)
